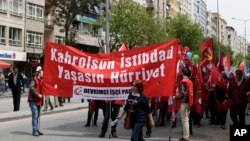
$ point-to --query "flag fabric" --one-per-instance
(226, 63)
(108, 76)
(123, 47)
(207, 50)
(217, 78)
(198, 89)
(242, 66)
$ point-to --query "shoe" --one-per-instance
(182, 139)
(35, 133)
(147, 136)
(95, 125)
(51, 108)
(114, 134)
(40, 133)
(102, 135)
(44, 110)
(87, 125)
(56, 106)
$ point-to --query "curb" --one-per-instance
(42, 113)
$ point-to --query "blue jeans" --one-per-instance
(35, 110)
(137, 132)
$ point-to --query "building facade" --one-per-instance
(21, 31)
(199, 15)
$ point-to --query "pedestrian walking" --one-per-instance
(138, 107)
(15, 84)
(35, 99)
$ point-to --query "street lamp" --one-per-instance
(245, 25)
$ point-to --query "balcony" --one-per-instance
(48, 22)
(150, 4)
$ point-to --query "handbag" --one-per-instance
(127, 121)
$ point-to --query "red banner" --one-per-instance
(68, 71)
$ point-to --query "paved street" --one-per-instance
(67, 123)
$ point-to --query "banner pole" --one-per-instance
(110, 109)
(172, 120)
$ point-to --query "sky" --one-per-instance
(228, 9)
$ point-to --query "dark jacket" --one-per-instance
(139, 108)
(237, 94)
(19, 82)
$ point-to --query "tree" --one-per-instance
(237, 59)
(189, 33)
(130, 23)
(66, 12)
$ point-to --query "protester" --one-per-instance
(48, 103)
(94, 106)
(112, 108)
(186, 95)
(237, 96)
(221, 98)
(35, 99)
(138, 105)
(15, 84)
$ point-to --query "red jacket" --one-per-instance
(32, 96)
(237, 94)
(190, 92)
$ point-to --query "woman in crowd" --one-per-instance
(138, 106)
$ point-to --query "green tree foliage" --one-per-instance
(131, 24)
(189, 33)
(238, 59)
(65, 14)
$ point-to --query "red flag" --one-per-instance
(207, 50)
(242, 66)
(198, 83)
(216, 77)
(226, 63)
(123, 47)
(109, 75)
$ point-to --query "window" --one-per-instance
(3, 6)
(16, 7)
(33, 39)
(15, 36)
(59, 40)
(35, 12)
(83, 29)
(2, 34)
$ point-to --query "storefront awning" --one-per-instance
(4, 65)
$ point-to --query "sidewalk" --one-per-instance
(7, 114)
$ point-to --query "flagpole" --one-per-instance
(218, 33)
(107, 50)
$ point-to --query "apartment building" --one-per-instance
(186, 7)
(21, 32)
(200, 14)
(231, 37)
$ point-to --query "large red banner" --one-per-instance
(68, 71)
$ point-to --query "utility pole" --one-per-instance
(107, 48)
